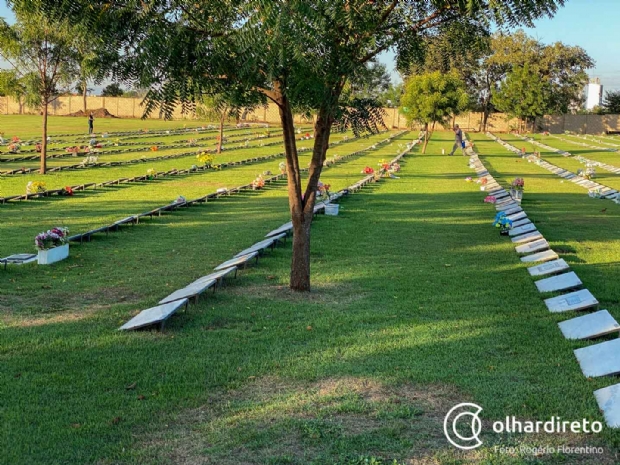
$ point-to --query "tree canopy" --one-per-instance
(611, 103)
(433, 98)
(300, 54)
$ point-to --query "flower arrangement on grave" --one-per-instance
(323, 189)
(92, 142)
(150, 174)
(384, 165)
(282, 167)
(395, 168)
(490, 199)
(206, 158)
(15, 140)
(35, 187)
(38, 147)
(193, 167)
(368, 170)
(55, 237)
(14, 148)
(192, 142)
(468, 179)
(266, 173)
(105, 135)
(502, 223)
(154, 148)
(258, 183)
(117, 142)
(589, 173)
(484, 181)
(180, 199)
(517, 184)
(67, 191)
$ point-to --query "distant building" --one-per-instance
(594, 94)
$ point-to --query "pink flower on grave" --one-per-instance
(490, 199)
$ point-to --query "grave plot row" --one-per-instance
(86, 165)
(173, 172)
(180, 203)
(600, 359)
(581, 159)
(583, 144)
(169, 305)
(595, 189)
(107, 148)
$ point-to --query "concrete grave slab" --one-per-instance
(154, 315)
(237, 261)
(600, 359)
(20, 258)
(534, 246)
(522, 230)
(522, 222)
(578, 300)
(512, 210)
(608, 400)
(189, 292)
(560, 282)
(590, 326)
(517, 216)
(553, 267)
(525, 238)
(545, 256)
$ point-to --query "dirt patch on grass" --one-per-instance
(333, 293)
(339, 421)
(61, 307)
(271, 420)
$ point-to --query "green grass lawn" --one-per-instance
(30, 126)
(417, 305)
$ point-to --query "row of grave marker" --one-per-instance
(596, 360)
(160, 174)
(599, 140)
(113, 151)
(605, 191)
(583, 144)
(606, 166)
(82, 166)
(135, 219)
(181, 298)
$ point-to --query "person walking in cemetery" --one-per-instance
(458, 140)
(91, 123)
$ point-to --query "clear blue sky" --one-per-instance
(592, 24)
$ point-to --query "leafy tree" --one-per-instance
(217, 107)
(433, 98)
(112, 90)
(523, 94)
(391, 96)
(24, 89)
(611, 102)
(40, 45)
(370, 81)
(298, 54)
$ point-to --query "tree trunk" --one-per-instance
(302, 209)
(43, 168)
(85, 95)
(221, 139)
(425, 137)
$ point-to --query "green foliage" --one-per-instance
(433, 98)
(523, 94)
(611, 102)
(112, 90)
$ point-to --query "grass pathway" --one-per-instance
(418, 305)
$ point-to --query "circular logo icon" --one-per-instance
(462, 426)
